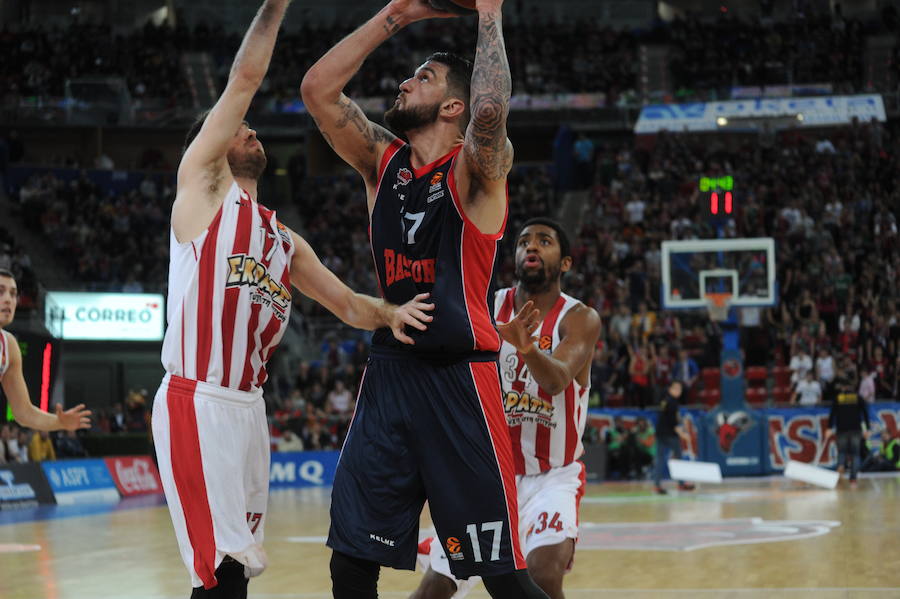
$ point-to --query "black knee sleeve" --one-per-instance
(231, 579)
(515, 585)
(353, 578)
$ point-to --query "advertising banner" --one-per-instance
(80, 481)
(105, 316)
(816, 112)
(747, 442)
(22, 486)
(303, 469)
(735, 439)
(134, 475)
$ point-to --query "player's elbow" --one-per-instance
(246, 78)
(314, 88)
(558, 384)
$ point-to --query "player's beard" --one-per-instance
(401, 120)
(537, 280)
(247, 165)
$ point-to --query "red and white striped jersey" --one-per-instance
(545, 430)
(229, 296)
(4, 353)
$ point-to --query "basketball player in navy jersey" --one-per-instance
(548, 343)
(12, 379)
(429, 422)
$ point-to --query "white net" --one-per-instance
(717, 305)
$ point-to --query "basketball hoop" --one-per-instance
(717, 305)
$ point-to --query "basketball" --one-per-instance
(462, 7)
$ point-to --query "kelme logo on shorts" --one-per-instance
(454, 549)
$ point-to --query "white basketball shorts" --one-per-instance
(548, 515)
(212, 444)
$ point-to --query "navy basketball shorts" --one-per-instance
(436, 432)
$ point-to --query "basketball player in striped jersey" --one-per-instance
(13, 381)
(429, 420)
(545, 364)
(232, 265)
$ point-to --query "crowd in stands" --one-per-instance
(113, 241)
(19, 445)
(14, 259)
(546, 56)
(713, 57)
(831, 205)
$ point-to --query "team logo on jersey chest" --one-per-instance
(398, 267)
(525, 407)
(245, 270)
(404, 176)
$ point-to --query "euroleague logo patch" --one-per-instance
(545, 343)
(454, 549)
(404, 176)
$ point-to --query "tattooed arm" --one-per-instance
(488, 153)
(343, 124)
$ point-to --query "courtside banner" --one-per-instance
(81, 481)
(303, 469)
(823, 111)
(23, 486)
(134, 475)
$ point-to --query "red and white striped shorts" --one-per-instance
(212, 444)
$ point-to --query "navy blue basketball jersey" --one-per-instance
(422, 241)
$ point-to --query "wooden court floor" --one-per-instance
(747, 538)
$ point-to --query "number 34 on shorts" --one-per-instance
(544, 522)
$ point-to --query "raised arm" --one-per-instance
(25, 412)
(571, 359)
(203, 175)
(314, 280)
(488, 152)
(355, 138)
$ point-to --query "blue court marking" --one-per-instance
(58, 512)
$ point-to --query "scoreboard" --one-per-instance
(719, 191)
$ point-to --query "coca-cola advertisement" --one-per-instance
(134, 475)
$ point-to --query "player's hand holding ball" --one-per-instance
(411, 313)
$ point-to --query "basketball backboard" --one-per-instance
(693, 268)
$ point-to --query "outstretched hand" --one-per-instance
(419, 10)
(411, 313)
(74, 418)
(519, 332)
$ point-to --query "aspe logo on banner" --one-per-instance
(74, 476)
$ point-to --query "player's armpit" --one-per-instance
(345, 127)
